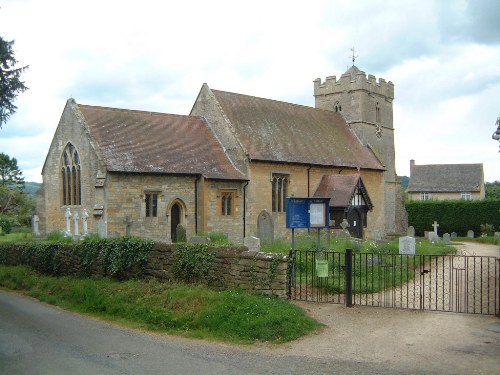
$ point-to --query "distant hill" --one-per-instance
(32, 187)
(404, 181)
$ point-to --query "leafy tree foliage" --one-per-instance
(17, 205)
(10, 174)
(10, 82)
(492, 189)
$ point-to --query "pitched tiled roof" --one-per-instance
(340, 189)
(276, 131)
(446, 177)
(149, 142)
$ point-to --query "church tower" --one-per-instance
(367, 107)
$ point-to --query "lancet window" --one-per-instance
(71, 177)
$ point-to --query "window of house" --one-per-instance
(70, 177)
(425, 196)
(151, 200)
(227, 203)
(466, 195)
(279, 191)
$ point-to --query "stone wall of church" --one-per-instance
(126, 202)
(71, 129)
(259, 195)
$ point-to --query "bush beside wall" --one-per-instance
(453, 216)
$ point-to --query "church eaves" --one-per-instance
(150, 142)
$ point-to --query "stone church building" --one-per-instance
(229, 165)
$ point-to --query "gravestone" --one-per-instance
(435, 225)
(67, 215)
(252, 243)
(470, 233)
(446, 237)
(35, 221)
(497, 234)
(426, 234)
(102, 229)
(454, 235)
(407, 245)
(200, 240)
(344, 232)
(411, 231)
(265, 227)
(75, 219)
(85, 217)
(433, 237)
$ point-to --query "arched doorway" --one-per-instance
(355, 224)
(175, 219)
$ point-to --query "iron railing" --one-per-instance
(455, 283)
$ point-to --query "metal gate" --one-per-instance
(455, 283)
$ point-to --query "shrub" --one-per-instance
(181, 233)
(6, 224)
(487, 229)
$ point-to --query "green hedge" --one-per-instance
(453, 216)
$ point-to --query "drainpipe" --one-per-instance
(244, 209)
(196, 204)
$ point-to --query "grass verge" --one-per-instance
(187, 310)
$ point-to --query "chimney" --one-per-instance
(412, 164)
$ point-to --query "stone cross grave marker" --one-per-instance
(85, 217)
(36, 232)
(67, 215)
(75, 219)
(446, 237)
(435, 225)
(407, 245)
(411, 231)
(128, 225)
(470, 233)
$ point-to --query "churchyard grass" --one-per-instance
(186, 310)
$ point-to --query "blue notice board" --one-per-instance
(307, 212)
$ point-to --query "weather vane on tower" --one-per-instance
(353, 56)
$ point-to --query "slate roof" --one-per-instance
(150, 142)
(275, 131)
(340, 189)
(446, 178)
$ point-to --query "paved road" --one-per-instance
(39, 339)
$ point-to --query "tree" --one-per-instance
(10, 174)
(10, 83)
(492, 189)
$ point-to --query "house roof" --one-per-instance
(150, 142)
(341, 188)
(275, 131)
(446, 178)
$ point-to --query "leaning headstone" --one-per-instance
(200, 240)
(407, 245)
(433, 237)
(411, 231)
(454, 235)
(35, 221)
(253, 243)
(102, 228)
(446, 237)
(470, 233)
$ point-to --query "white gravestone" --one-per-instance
(470, 234)
(67, 215)
(446, 237)
(75, 220)
(36, 232)
(85, 217)
(433, 237)
(253, 243)
(407, 245)
(411, 231)
(453, 235)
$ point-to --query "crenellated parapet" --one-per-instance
(354, 79)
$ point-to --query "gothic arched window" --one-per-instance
(70, 177)
(338, 107)
(279, 191)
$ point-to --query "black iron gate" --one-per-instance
(456, 283)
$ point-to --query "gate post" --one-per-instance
(348, 277)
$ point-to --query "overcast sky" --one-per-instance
(442, 56)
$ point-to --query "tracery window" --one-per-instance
(279, 191)
(71, 177)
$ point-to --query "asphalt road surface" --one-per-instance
(39, 339)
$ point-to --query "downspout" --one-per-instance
(244, 208)
(196, 204)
